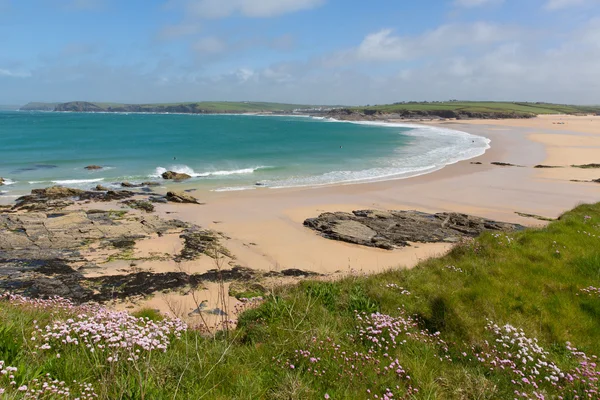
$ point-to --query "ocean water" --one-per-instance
(220, 152)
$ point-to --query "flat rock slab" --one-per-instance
(393, 229)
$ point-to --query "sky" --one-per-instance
(342, 52)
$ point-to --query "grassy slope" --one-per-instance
(485, 107)
(530, 279)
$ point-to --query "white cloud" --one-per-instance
(249, 8)
(385, 46)
(14, 74)
(475, 3)
(209, 45)
(561, 4)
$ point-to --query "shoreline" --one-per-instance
(415, 130)
(263, 229)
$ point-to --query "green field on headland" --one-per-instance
(472, 109)
(502, 316)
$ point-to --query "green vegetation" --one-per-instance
(484, 107)
(215, 106)
(319, 339)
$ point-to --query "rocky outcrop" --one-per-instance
(1, 181)
(504, 164)
(197, 242)
(181, 197)
(392, 229)
(547, 166)
(93, 167)
(101, 188)
(175, 176)
(586, 166)
(140, 205)
(59, 197)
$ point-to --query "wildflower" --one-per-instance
(326, 396)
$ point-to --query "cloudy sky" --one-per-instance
(300, 51)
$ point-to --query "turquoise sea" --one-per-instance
(221, 152)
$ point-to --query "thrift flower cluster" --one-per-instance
(453, 268)
(398, 288)
(532, 373)
(591, 290)
(43, 388)
(380, 333)
(112, 334)
(503, 239)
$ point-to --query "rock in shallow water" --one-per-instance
(391, 229)
(175, 176)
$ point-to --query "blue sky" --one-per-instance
(300, 51)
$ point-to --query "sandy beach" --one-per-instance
(265, 229)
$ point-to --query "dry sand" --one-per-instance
(264, 227)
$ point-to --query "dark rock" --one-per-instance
(150, 184)
(158, 199)
(140, 205)
(175, 176)
(101, 188)
(298, 272)
(93, 167)
(391, 229)
(547, 166)
(180, 197)
(129, 185)
(476, 162)
(586, 166)
(198, 242)
(503, 164)
(1, 181)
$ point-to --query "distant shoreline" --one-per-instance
(413, 111)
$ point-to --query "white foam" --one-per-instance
(184, 169)
(77, 181)
(7, 182)
(233, 189)
(433, 149)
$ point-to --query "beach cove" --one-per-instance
(263, 229)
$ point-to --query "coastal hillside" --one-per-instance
(189, 107)
(505, 315)
(463, 110)
(403, 110)
(37, 106)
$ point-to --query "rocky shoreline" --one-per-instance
(395, 229)
(54, 243)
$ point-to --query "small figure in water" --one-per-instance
(340, 147)
(174, 158)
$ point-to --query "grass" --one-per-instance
(316, 338)
(482, 107)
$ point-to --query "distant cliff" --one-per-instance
(184, 108)
(37, 106)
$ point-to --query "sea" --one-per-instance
(220, 152)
